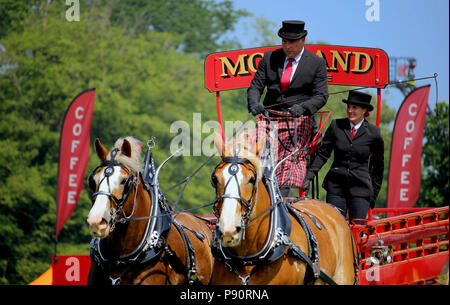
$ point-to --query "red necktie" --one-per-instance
(353, 132)
(286, 77)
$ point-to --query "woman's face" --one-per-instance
(355, 113)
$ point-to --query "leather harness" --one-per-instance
(153, 243)
(277, 240)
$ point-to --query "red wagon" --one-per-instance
(410, 247)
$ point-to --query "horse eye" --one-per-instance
(123, 181)
(214, 180)
(91, 183)
(252, 180)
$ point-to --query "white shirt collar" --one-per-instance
(296, 58)
(357, 125)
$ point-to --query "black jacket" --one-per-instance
(358, 164)
(308, 86)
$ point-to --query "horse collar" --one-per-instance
(149, 248)
(271, 251)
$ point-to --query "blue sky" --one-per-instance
(406, 28)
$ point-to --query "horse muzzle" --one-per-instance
(98, 227)
(232, 239)
(99, 223)
(231, 236)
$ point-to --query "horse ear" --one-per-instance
(259, 146)
(101, 151)
(126, 148)
(220, 145)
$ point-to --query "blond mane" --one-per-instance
(134, 161)
(243, 145)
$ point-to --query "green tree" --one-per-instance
(265, 32)
(143, 84)
(202, 24)
(12, 12)
(434, 189)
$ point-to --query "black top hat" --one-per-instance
(360, 99)
(292, 30)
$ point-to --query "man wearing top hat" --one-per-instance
(354, 179)
(296, 82)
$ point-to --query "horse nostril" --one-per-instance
(103, 222)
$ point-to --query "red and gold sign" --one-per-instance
(356, 66)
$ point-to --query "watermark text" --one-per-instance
(373, 12)
(73, 12)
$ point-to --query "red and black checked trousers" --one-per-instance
(289, 130)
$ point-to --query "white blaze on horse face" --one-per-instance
(230, 219)
(99, 215)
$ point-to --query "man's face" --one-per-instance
(292, 47)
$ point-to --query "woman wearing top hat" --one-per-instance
(354, 179)
(296, 82)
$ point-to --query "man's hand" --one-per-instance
(297, 110)
(256, 108)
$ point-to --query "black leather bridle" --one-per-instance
(108, 172)
(233, 170)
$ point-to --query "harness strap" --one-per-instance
(190, 270)
(200, 236)
(356, 259)
(312, 241)
(313, 219)
(301, 255)
(313, 259)
(282, 238)
(174, 261)
(235, 159)
(244, 279)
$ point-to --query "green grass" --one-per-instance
(72, 249)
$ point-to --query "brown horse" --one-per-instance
(137, 239)
(257, 242)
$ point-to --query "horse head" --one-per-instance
(236, 179)
(112, 183)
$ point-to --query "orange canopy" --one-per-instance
(45, 278)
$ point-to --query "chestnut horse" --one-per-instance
(137, 239)
(261, 243)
